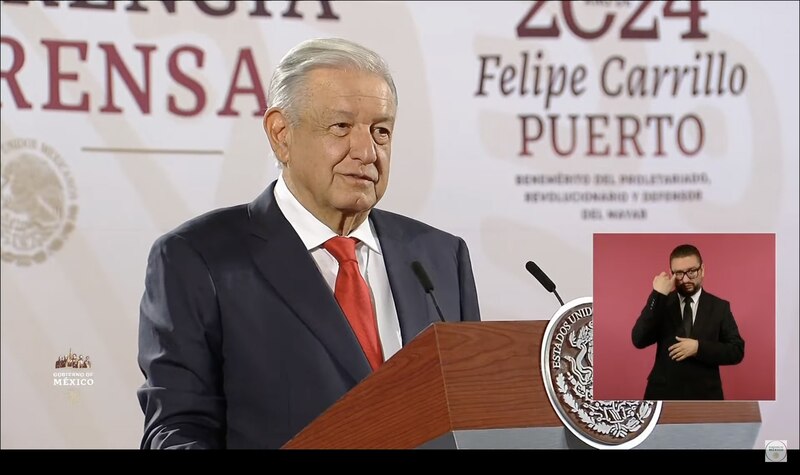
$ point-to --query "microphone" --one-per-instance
(423, 278)
(543, 279)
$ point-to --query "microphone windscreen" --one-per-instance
(422, 276)
(540, 276)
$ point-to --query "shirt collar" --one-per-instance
(311, 230)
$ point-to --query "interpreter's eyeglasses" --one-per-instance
(691, 273)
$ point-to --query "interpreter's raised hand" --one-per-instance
(663, 283)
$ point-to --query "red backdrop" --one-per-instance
(740, 268)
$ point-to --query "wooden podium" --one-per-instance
(478, 385)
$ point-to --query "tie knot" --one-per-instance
(688, 300)
(343, 249)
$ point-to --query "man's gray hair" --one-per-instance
(285, 88)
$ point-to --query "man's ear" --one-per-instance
(276, 126)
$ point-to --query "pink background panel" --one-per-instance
(739, 268)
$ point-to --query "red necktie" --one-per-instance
(352, 293)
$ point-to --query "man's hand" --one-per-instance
(663, 283)
(685, 348)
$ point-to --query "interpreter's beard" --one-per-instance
(687, 289)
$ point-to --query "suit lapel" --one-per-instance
(674, 312)
(703, 311)
(410, 299)
(284, 261)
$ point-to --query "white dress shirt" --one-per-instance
(695, 300)
(314, 233)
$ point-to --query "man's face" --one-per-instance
(688, 274)
(337, 155)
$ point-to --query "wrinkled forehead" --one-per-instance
(338, 92)
(347, 82)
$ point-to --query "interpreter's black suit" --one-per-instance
(718, 338)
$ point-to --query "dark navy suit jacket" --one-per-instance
(719, 343)
(241, 341)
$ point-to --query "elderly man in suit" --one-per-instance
(257, 318)
(695, 332)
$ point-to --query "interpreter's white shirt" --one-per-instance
(314, 233)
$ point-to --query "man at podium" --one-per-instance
(695, 332)
(257, 318)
